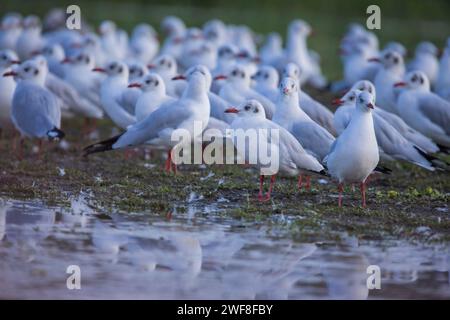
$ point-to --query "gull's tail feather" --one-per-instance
(55, 134)
(105, 145)
(435, 162)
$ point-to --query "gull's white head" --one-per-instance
(173, 26)
(53, 51)
(8, 58)
(291, 70)
(391, 60)
(115, 69)
(32, 22)
(203, 70)
(239, 75)
(34, 70)
(151, 82)
(214, 31)
(415, 80)
(397, 47)
(107, 27)
(11, 21)
(137, 70)
(144, 30)
(164, 64)
(365, 85)
(227, 52)
(267, 75)
(81, 59)
(348, 99)
(428, 48)
(289, 88)
(250, 108)
(300, 27)
(365, 101)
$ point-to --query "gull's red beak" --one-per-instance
(400, 84)
(134, 85)
(179, 77)
(220, 77)
(285, 90)
(337, 102)
(369, 105)
(99, 70)
(374, 60)
(232, 110)
(10, 74)
(66, 60)
(15, 61)
(151, 66)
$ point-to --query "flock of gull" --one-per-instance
(222, 77)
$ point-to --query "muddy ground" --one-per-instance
(411, 203)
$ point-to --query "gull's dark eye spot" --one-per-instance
(169, 65)
(26, 69)
(112, 66)
(421, 80)
(361, 100)
(120, 70)
(247, 108)
(256, 110)
(396, 60)
(148, 81)
(352, 98)
(234, 73)
(292, 86)
(414, 79)
(162, 62)
(266, 76)
(88, 60)
(4, 57)
(36, 72)
(156, 83)
(387, 56)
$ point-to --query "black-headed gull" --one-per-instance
(266, 81)
(426, 60)
(392, 144)
(237, 90)
(35, 110)
(111, 92)
(354, 154)
(30, 39)
(144, 43)
(7, 87)
(166, 66)
(443, 77)
(10, 29)
(424, 110)
(226, 59)
(396, 46)
(315, 110)
(315, 139)
(414, 136)
(292, 158)
(154, 94)
(392, 71)
(191, 109)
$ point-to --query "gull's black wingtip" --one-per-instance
(383, 169)
(55, 134)
(102, 146)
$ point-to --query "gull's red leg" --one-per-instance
(21, 143)
(272, 183)
(300, 182)
(168, 161)
(363, 193)
(341, 189)
(261, 184)
(308, 183)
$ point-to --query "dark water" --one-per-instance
(199, 254)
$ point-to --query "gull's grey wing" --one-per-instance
(436, 109)
(313, 137)
(35, 110)
(128, 99)
(168, 116)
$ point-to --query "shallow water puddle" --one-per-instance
(199, 254)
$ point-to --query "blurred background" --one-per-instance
(407, 21)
